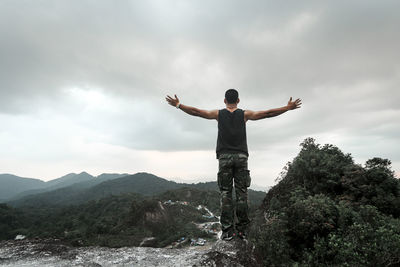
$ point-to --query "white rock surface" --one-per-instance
(54, 253)
(19, 237)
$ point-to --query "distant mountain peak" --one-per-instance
(11, 185)
(146, 173)
(69, 179)
(71, 174)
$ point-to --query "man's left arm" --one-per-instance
(258, 115)
(206, 114)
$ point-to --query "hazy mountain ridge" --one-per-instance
(81, 180)
(74, 184)
(69, 179)
(140, 183)
(11, 185)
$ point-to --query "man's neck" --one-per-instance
(231, 107)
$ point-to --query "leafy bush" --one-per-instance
(326, 210)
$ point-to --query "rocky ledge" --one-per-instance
(53, 252)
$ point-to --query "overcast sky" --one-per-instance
(83, 83)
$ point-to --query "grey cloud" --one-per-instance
(341, 58)
(130, 46)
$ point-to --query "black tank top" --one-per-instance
(231, 132)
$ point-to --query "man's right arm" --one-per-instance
(206, 114)
(258, 115)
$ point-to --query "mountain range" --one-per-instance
(79, 188)
(14, 187)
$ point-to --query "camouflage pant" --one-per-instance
(233, 168)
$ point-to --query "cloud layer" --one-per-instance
(83, 83)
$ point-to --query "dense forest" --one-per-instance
(118, 220)
(328, 211)
(123, 220)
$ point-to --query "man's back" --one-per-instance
(231, 132)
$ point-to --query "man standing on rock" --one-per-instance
(232, 155)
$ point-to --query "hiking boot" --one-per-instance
(228, 235)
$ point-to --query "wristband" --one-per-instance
(177, 106)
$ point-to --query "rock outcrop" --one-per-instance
(53, 252)
(235, 253)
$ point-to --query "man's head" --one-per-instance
(231, 97)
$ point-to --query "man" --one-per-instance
(232, 155)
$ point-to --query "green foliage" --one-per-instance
(272, 241)
(9, 221)
(327, 211)
(371, 240)
(115, 221)
(314, 216)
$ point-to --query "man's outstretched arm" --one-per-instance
(258, 115)
(206, 114)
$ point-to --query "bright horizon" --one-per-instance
(83, 85)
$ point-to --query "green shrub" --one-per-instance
(328, 211)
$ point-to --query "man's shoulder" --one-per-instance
(226, 110)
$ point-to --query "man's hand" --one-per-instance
(172, 101)
(258, 115)
(206, 114)
(293, 105)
